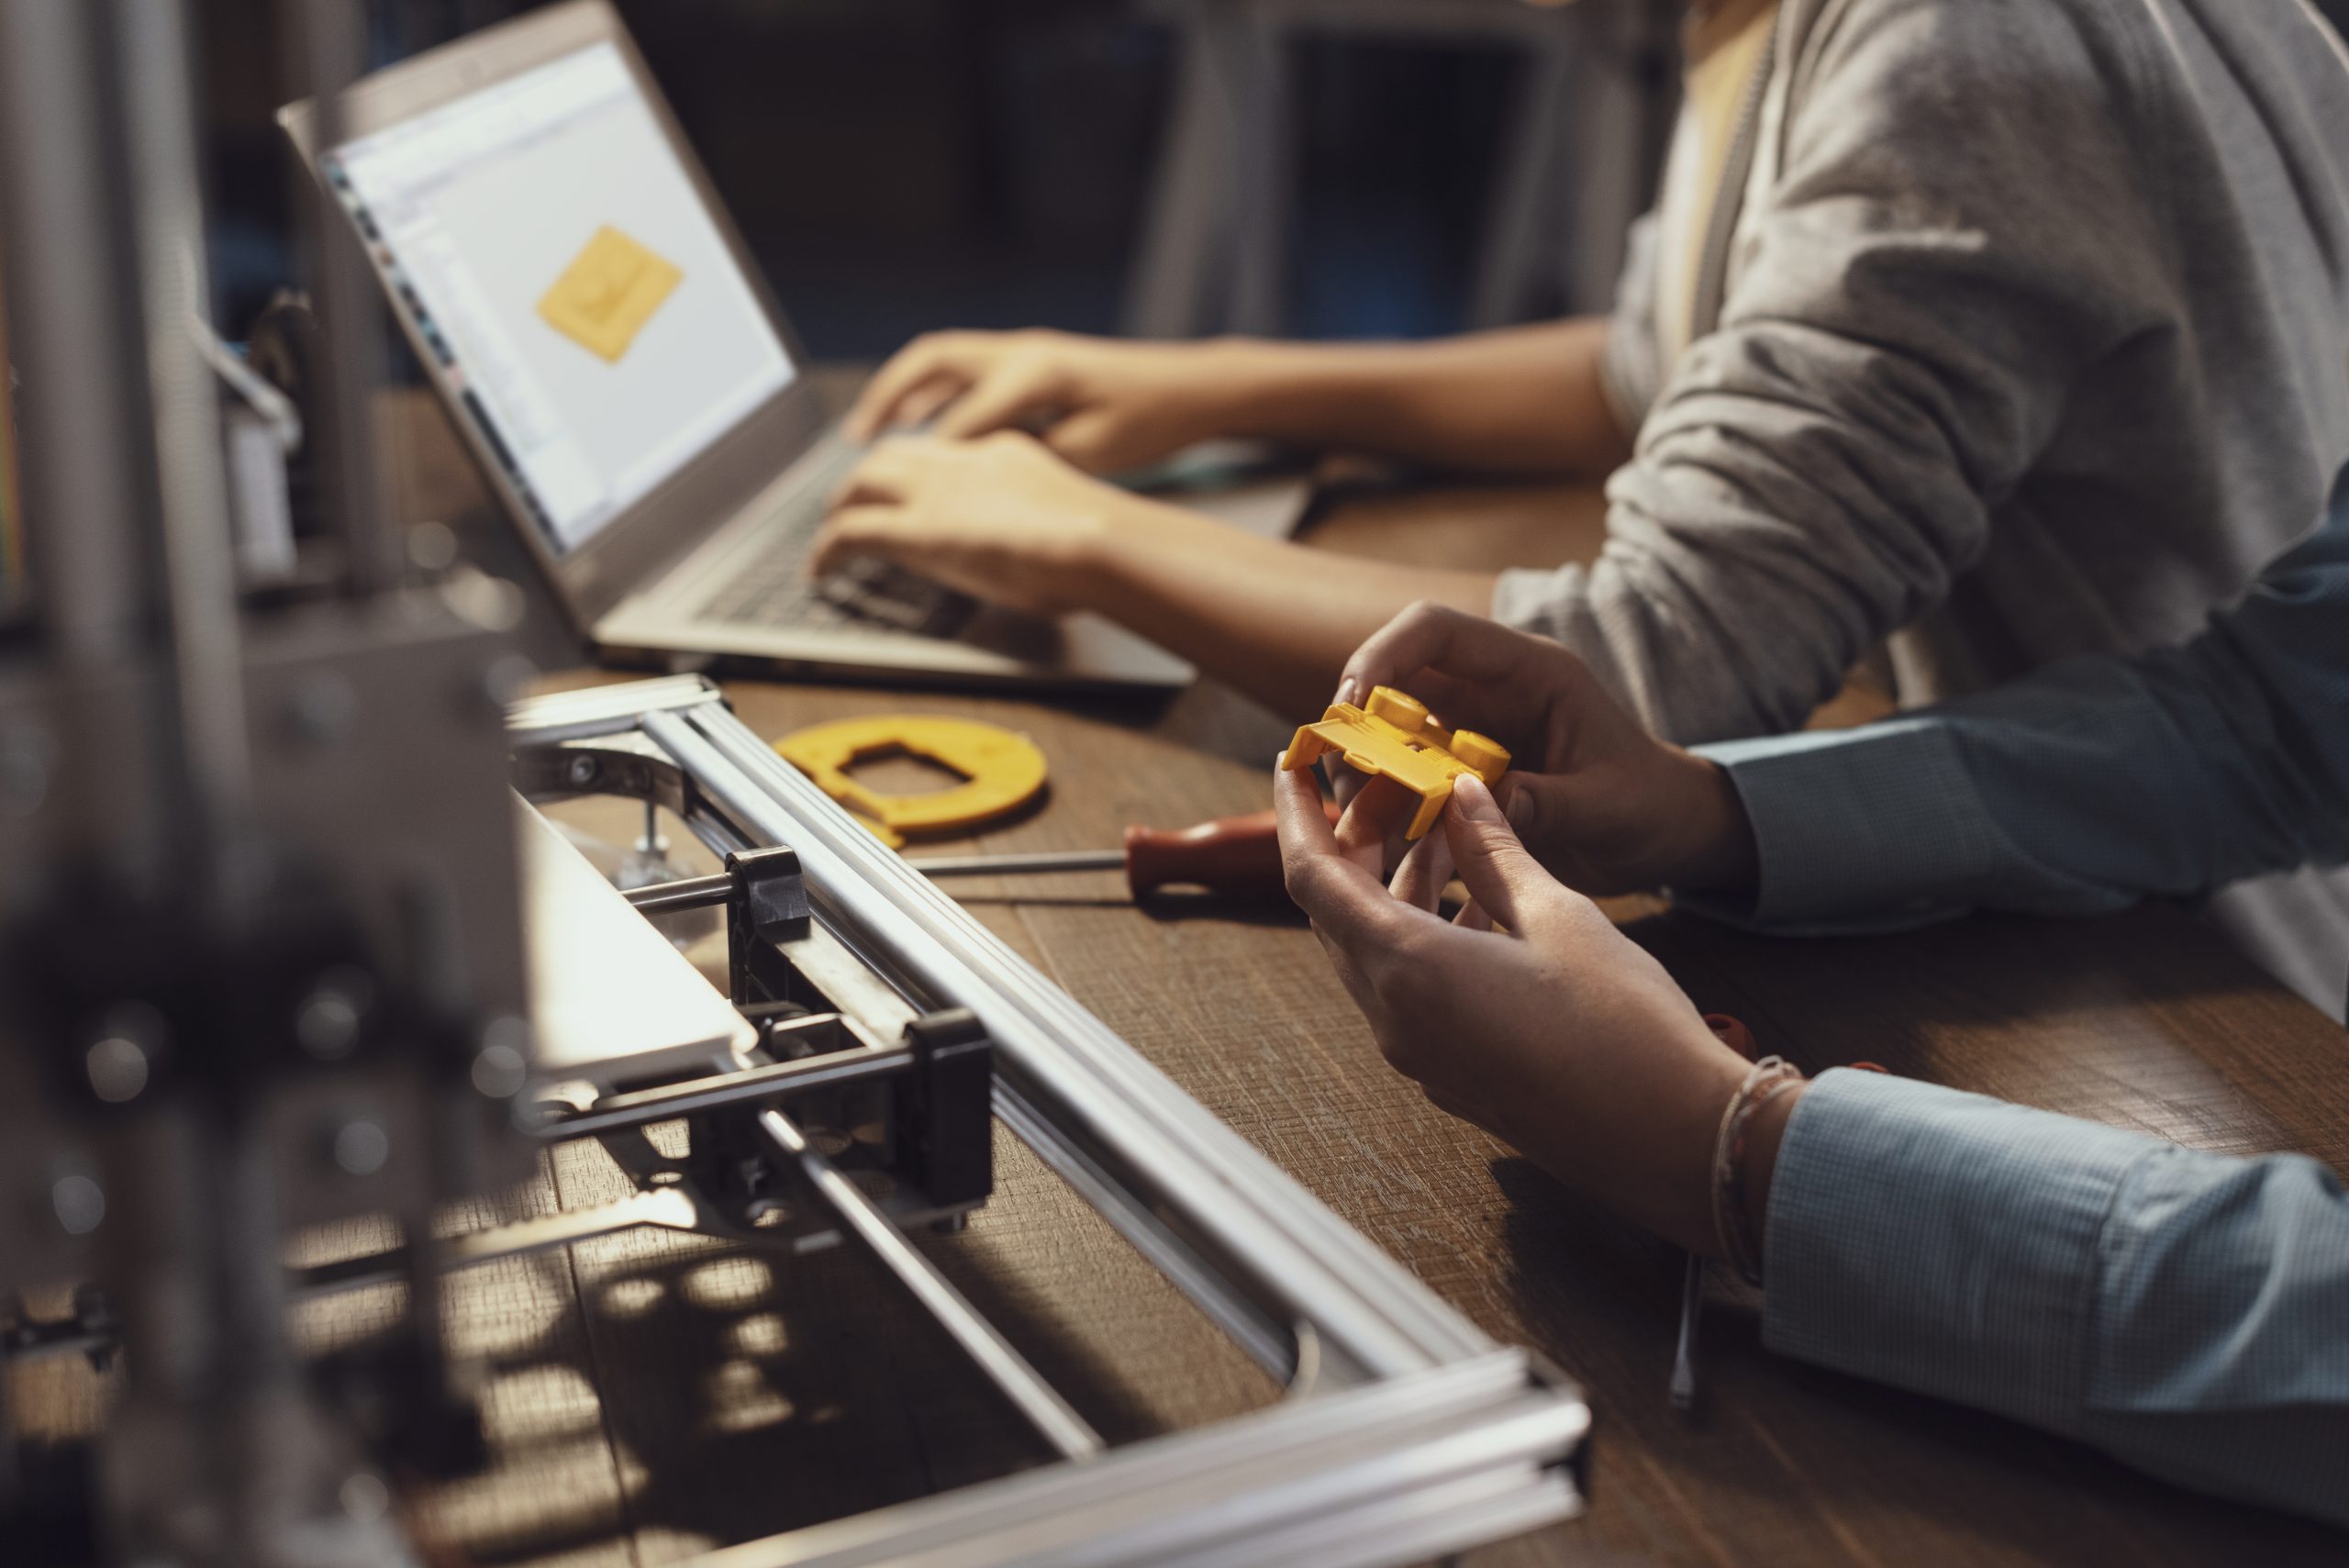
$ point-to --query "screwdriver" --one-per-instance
(1238, 857)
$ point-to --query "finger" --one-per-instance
(1423, 636)
(1307, 831)
(1447, 658)
(920, 405)
(1381, 809)
(912, 406)
(1424, 874)
(1295, 795)
(1346, 902)
(997, 402)
(1500, 876)
(856, 532)
(1472, 917)
(887, 474)
(867, 489)
(920, 364)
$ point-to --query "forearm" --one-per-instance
(1524, 399)
(2181, 1311)
(1271, 618)
(2077, 789)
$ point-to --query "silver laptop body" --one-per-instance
(582, 301)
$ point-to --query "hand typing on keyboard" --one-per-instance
(1000, 518)
(880, 595)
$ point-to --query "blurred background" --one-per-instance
(1324, 168)
(904, 164)
(1317, 168)
(1328, 167)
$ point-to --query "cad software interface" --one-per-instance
(566, 275)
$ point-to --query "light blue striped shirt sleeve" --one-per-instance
(2187, 1313)
(2078, 789)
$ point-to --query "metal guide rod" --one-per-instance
(1014, 864)
(72, 333)
(1367, 1308)
(673, 1100)
(200, 589)
(667, 1208)
(685, 893)
(67, 306)
(1049, 1414)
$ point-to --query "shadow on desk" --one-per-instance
(1958, 1485)
(2146, 1019)
(649, 1396)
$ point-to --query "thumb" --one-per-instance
(1503, 879)
(855, 531)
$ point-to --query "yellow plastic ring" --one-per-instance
(1001, 770)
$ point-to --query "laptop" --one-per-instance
(583, 305)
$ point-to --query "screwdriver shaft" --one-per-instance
(992, 865)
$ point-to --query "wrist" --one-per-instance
(1763, 1135)
(1112, 552)
(1687, 1218)
(1717, 848)
(1303, 394)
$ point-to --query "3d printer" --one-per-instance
(264, 889)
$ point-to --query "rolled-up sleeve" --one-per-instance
(2187, 1313)
(1921, 287)
(2080, 789)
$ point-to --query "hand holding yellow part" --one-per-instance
(1394, 738)
(1001, 770)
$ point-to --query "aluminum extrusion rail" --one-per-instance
(1408, 1434)
(1326, 1273)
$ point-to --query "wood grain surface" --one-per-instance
(650, 1397)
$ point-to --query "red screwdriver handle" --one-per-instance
(1238, 857)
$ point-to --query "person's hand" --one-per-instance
(1000, 518)
(1528, 1013)
(1604, 805)
(1103, 405)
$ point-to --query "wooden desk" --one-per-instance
(2146, 1020)
(649, 1396)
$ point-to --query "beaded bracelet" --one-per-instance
(1770, 1077)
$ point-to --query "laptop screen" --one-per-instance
(559, 262)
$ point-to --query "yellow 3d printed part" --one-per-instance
(608, 293)
(1001, 771)
(1394, 738)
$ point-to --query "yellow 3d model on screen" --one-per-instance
(608, 293)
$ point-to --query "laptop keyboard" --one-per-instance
(772, 588)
